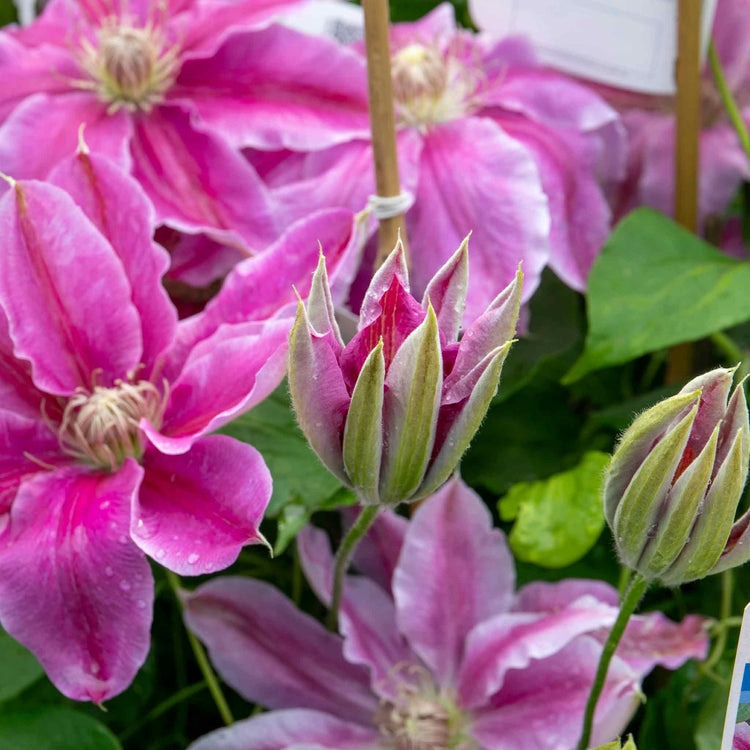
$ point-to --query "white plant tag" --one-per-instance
(339, 20)
(738, 707)
(631, 44)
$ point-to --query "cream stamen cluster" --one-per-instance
(101, 426)
(129, 66)
(422, 718)
(431, 86)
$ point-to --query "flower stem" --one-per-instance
(635, 592)
(728, 100)
(727, 585)
(343, 558)
(200, 656)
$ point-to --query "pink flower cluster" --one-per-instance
(208, 123)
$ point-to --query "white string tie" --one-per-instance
(387, 207)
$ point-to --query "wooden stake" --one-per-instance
(688, 111)
(382, 119)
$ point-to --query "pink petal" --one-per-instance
(66, 324)
(439, 22)
(47, 70)
(446, 292)
(499, 199)
(210, 22)
(541, 707)
(378, 552)
(17, 390)
(74, 589)
(275, 88)
(225, 375)
(52, 124)
(197, 183)
(550, 597)
(197, 260)
(119, 209)
(196, 511)
(27, 445)
(300, 729)
(455, 571)
(338, 176)
(653, 639)
(367, 619)
(272, 653)
(580, 215)
(512, 641)
(263, 286)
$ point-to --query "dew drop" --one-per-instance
(160, 554)
(123, 539)
(104, 505)
(193, 558)
(140, 604)
(108, 572)
(94, 667)
(124, 585)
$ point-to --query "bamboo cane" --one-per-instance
(382, 120)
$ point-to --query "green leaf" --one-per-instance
(557, 520)
(19, 668)
(298, 475)
(53, 728)
(532, 435)
(554, 338)
(655, 285)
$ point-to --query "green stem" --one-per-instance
(343, 558)
(622, 585)
(203, 663)
(727, 98)
(635, 592)
(727, 584)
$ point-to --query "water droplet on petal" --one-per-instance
(94, 667)
(104, 505)
(124, 585)
(160, 554)
(108, 572)
(140, 604)
(193, 558)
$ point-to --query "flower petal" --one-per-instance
(27, 446)
(262, 287)
(225, 375)
(377, 554)
(500, 200)
(455, 571)
(197, 510)
(300, 729)
(198, 183)
(512, 641)
(367, 619)
(66, 322)
(47, 70)
(52, 124)
(119, 209)
(541, 706)
(74, 589)
(272, 653)
(292, 90)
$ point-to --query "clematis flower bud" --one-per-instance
(391, 413)
(675, 480)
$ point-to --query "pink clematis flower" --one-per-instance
(489, 142)
(116, 66)
(105, 409)
(392, 412)
(650, 123)
(437, 649)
